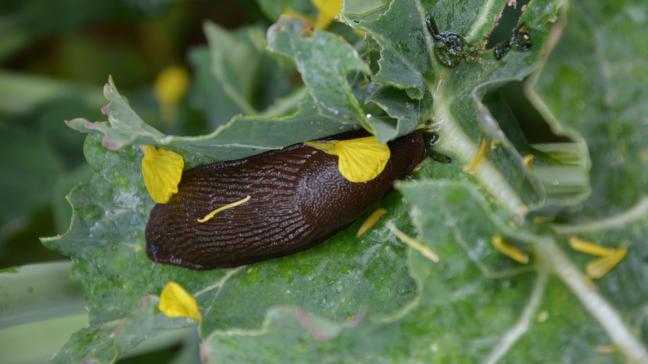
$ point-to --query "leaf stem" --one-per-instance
(596, 304)
(482, 20)
(638, 211)
(452, 138)
(522, 326)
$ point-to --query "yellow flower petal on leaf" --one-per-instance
(590, 248)
(413, 243)
(371, 221)
(481, 153)
(162, 171)
(509, 250)
(326, 146)
(598, 268)
(211, 215)
(360, 159)
(327, 11)
(175, 301)
(528, 161)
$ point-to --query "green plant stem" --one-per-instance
(38, 292)
(595, 304)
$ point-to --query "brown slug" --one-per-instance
(297, 199)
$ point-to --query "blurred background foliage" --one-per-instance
(55, 57)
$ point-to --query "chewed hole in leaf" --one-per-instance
(508, 33)
(518, 118)
(558, 162)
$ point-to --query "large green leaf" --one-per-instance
(551, 326)
(274, 8)
(29, 165)
(600, 65)
(475, 304)
(106, 240)
(225, 87)
(327, 81)
(329, 109)
(459, 116)
(370, 299)
(470, 303)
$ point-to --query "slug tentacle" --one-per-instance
(297, 198)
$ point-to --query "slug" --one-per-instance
(289, 200)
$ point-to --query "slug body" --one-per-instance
(298, 198)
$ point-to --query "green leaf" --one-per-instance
(207, 94)
(29, 165)
(226, 51)
(404, 60)
(104, 342)
(106, 241)
(242, 136)
(274, 8)
(326, 111)
(470, 303)
(475, 304)
(476, 328)
(407, 112)
(251, 85)
(460, 118)
(36, 300)
(327, 81)
(21, 93)
(27, 295)
(225, 87)
(600, 64)
(372, 299)
(34, 342)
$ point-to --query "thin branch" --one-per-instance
(638, 211)
(522, 326)
(596, 304)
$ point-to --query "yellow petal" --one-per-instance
(327, 11)
(360, 159)
(481, 153)
(211, 215)
(528, 161)
(175, 301)
(606, 349)
(509, 250)
(326, 146)
(587, 247)
(598, 268)
(413, 243)
(169, 87)
(171, 84)
(162, 171)
(370, 222)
